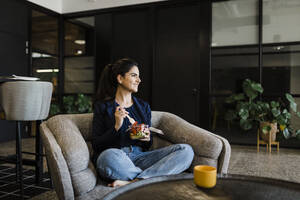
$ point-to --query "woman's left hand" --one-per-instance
(147, 138)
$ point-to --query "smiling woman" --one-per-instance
(119, 157)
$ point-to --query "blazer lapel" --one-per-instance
(140, 109)
(111, 107)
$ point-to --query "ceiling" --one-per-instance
(71, 6)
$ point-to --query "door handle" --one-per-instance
(195, 91)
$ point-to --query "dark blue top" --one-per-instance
(104, 133)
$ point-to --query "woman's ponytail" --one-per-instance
(106, 88)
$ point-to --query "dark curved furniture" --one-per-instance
(229, 187)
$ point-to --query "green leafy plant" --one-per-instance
(250, 111)
(72, 104)
(54, 109)
(83, 104)
(69, 104)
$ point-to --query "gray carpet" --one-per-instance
(244, 160)
(283, 165)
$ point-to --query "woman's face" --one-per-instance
(131, 80)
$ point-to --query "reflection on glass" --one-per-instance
(229, 130)
(295, 121)
(44, 33)
(219, 109)
(234, 22)
(46, 68)
(79, 56)
(75, 41)
(44, 41)
(281, 69)
(281, 21)
(79, 75)
(234, 58)
(230, 66)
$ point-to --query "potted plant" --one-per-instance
(270, 117)
(72, 104)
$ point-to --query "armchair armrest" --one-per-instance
(58, 167)
(205, 144)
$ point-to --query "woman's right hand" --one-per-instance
(120, 114)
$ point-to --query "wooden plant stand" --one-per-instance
(268, 144)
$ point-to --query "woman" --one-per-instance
(117, 157)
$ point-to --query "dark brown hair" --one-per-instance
(108, 80)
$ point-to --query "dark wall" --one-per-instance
(132, 38)
(14, 60)
(103, 24)
(13, 37)
(125, 34)
(177, 61)
(171, 41)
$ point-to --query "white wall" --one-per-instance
(55, 5)
(69, 6)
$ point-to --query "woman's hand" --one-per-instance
(147, 137)
(120, 114)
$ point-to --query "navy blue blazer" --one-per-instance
(105, 135)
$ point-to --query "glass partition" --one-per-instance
(281, 69)
(234, 22)
(234, 57)
(230, 66)
(281, 21)
(79, 58)
(44, 44)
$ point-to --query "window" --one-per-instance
(79, 58)
(235, 22)
(44, 41)
(281, 21)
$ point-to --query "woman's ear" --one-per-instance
(119, 78)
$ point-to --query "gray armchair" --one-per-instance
(66, 139)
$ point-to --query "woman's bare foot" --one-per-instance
(117, 183)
